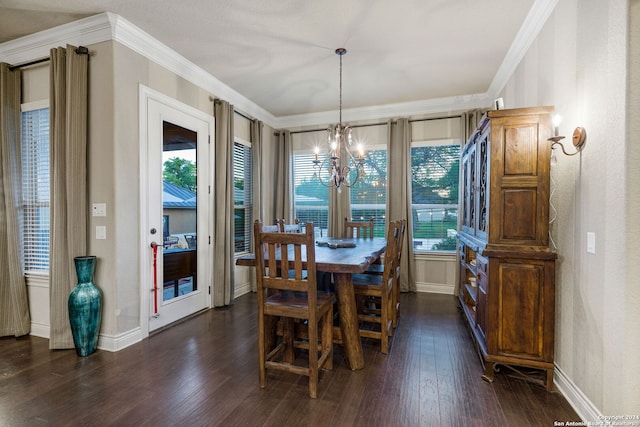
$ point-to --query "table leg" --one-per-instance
(349, 321)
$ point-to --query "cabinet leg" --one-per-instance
(489, 370)
(549, 383)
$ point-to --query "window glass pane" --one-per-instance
(311, 197)
(369, 195)
(35, 188)
(242, 196)
(434, 172)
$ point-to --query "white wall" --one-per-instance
(578, 63)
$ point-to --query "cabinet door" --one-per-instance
(519, 181)
(523, 297)
(483, 301)
(469, 194)
(483, 184)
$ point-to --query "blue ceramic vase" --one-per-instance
(85, 307)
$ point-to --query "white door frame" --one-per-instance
(149, 96)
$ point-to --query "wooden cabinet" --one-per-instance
(507, 271)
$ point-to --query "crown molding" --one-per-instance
(533, 23)
(87, 31)
(428, 106)
(108, 26)
(139, 41)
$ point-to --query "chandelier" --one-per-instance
(331, 171)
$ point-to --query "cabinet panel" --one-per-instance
(521, 309)
(520, 149)
(519, 207)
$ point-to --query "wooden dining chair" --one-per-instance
(381, 290)
(378, 269)
(191, 240)
(358, 228)
(291, 298)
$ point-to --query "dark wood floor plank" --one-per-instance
(203, 371)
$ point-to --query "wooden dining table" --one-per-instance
(342, 258)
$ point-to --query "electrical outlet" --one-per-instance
(101, 232)
(591, 242)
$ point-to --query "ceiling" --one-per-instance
(280, 53)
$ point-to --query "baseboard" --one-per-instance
(105, 342)
(242, 289)
(435, 288)
(40, 330)
(120, 341)
(585, 409)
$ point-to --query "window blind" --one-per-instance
(311, 197)
(242, 196)
(35, 189)
(369, 195)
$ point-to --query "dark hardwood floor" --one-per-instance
(203, 372)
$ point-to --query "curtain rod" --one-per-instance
(436, 118)
(80, 50)
(380, 124)
(218, 100)
(243, 115)
(325, 129)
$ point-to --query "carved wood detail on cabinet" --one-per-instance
(507, 271)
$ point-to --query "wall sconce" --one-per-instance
(579, 137)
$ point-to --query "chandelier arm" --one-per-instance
(352, 157)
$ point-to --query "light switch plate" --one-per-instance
(99, 209)
(101, 232)
(591, 242)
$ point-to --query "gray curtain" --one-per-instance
(339, 202)
(223, 266)
(470, 120)
(256, 160)
(14, 306)
(283, 201)
(68, 163)
(399, 194)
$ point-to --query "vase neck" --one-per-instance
(85, 267)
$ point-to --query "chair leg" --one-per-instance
(327, 338)
(262, 350)
(288, 337)
(313, 360)
(384, 321)
(394, 305)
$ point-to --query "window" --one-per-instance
(369, 195)
(434, 194)
(311, 197)
(242, 195)
(35, 187)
